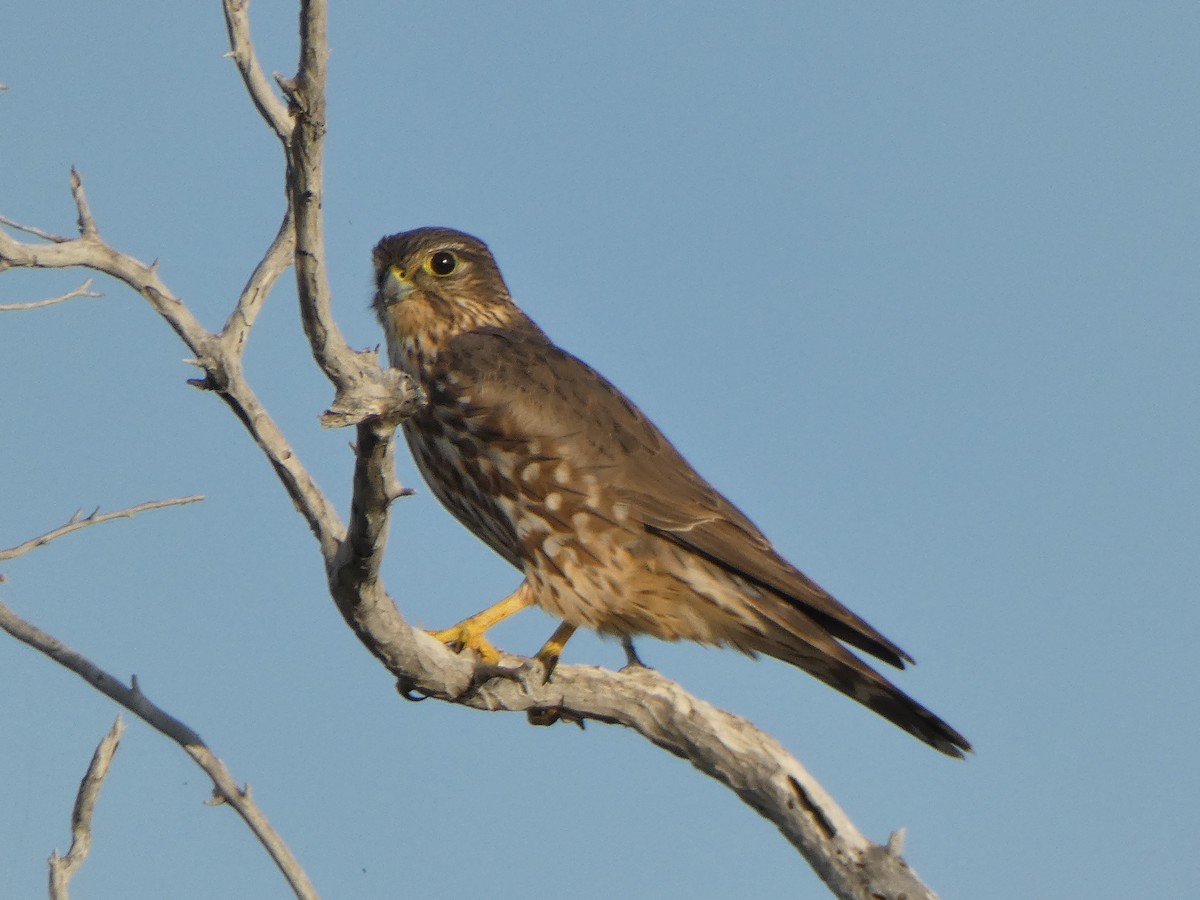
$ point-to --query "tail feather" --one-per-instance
(794, 638)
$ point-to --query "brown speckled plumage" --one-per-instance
(558, 472)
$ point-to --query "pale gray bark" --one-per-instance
(225, 788)
(62, 868)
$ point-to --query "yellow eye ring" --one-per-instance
(441, 263)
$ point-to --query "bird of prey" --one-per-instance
(558, 472)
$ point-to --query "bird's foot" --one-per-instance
(469, 633)
(552, 649)
(485, 672)
(464, 636)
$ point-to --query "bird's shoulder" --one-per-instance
(523, 387)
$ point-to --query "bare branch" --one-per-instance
(218, 355)
(90, 251)
(305, 155)
(225, 788)
(273, 264)
(36, 232)
(258, 86)
(87, 224)
(81, 291)
(79, 521)
(62, 868)
(721, 745)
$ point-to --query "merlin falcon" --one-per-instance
(558, 472)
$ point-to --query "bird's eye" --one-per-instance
(443, 263)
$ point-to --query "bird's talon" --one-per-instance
(549, 715)
(548, 664)
(461, 637)
(542, 716)
(485, 672)
(406, 688)
(552, 649)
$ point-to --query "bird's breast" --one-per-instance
(468, 477)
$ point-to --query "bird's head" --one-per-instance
(432, 284)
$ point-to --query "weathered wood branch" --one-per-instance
(78, 521)
(63, 868)
(82, 291)
(130, 696)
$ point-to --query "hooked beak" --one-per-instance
(396, 286)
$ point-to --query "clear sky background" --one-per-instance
(915, 285)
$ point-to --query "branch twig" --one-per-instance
(132, 698)
(273, 264)
(87, 224)
(258, 86)
(62, 868)
(79, 521)
(81, 291)
(36, 232)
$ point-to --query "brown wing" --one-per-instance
(529, 389)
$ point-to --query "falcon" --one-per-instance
(558, 472)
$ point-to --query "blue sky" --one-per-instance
(914, 286)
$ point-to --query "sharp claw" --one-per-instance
(552, 649)
(548, 715)
(406, 689)
(549, 664)
(542, 715)
(485, 672)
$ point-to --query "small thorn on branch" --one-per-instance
(407, 688)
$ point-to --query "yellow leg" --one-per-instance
(552, 649)
(469, 633)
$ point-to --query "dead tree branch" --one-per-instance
(79, 521)
(241, 49)
(81, 291)
(225, 788)
(62, 868)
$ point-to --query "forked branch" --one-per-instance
(62, 868)
(225, 788)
